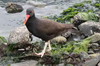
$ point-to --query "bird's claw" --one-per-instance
(40, 54)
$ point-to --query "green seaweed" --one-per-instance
(3, 39)
(73, 46)
(78, 5)
(97, 5)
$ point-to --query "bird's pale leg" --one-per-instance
(49, 46)
(44, 49)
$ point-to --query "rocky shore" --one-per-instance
(75, 50)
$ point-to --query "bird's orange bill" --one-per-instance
(27, 17)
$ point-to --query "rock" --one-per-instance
(83, 17)
(84, 55)
(19, 35)
(3, 45)
(89, 28)
(69, 65)
(3, 48)
(26, 63)
(92, 62)
(13, 8)
(95, 37)
(90, 51)
(36, 4)
(94, 47)
(59, 39)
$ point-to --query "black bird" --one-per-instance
(45, 29)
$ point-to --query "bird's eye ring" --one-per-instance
(30, 12)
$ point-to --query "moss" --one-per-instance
(97, 5)
(69, 10)
(93, 16)
(89, 1)
(3, 39)
(73, 46)
(67, 14)
(78, 5)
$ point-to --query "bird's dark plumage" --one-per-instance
(44, 28)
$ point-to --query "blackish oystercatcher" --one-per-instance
(45, 29)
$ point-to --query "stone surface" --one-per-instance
(3, 48)
(26, 63)
(59, 39)
(19, 35)
(92, 62)
(89, 28)
(83, 17)
(95, 37)
(13, 8)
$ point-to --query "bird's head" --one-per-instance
(29, 13)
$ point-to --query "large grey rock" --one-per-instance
(88, 28)
(19, 35)
(13, 8)
(92, 62)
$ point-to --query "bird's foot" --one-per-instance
(40, 54)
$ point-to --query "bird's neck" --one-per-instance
(31, 20)
(33, 17)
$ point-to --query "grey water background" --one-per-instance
(9, 22)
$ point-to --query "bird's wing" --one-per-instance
(50, 27)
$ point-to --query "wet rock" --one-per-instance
(84, 55)
(13, 8)
(94, 47)
(69, 65)
(95, 37)
(19, 35)
(50, 60)
(36, 4)
(89, 28)
(92, 62)
(90, 51)
(26, 63)
(59, 39)
(72, 35)
(3, 48)
(83, 17)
